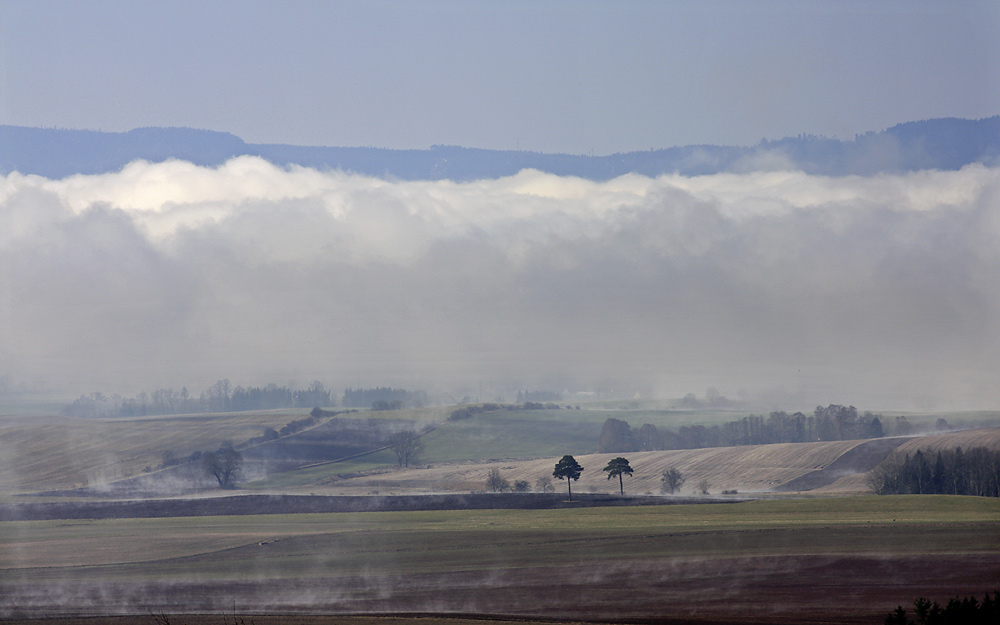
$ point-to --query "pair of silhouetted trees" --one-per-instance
(570, 470)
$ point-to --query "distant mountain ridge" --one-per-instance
(946, 143)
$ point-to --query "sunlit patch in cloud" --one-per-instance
(878, 287)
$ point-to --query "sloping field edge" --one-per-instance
(858, 459)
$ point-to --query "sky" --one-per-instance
(780, 287)
(578, 77)
(788, 289)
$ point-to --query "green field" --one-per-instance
(601, 563)
(323, 473)
(437, 541)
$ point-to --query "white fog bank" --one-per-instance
(882, 291)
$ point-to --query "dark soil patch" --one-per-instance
(755, 590)
(296, 504)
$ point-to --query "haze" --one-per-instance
(577, 77)
(785, 288)
(779, 285)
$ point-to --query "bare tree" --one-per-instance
(496, 482)
(544, 484)
(223, 465)
(672, 480)
(407, 446)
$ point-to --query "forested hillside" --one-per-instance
(946, 144)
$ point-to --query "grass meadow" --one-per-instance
(343, 544)
(830, 560)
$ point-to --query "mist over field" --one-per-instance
(779, 286)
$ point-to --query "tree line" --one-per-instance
(385, 397)
(224, 397)
(538, 396)
(830, 423)
(467, 412)
(948, 472)
(958, 611)
(220, 397)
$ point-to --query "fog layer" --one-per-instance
(879, 291)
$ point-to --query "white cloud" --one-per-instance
(880, 288)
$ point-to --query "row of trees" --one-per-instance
(467, 412)
(958, 611)
(224, 397)
(570, 470)
(384, 396)
(950, 472)
(220, 397)
(830, 423)
(538, 396)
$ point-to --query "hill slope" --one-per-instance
(947, 144)
(827, 467)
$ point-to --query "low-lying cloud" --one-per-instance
(880, 291)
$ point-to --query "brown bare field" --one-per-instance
(279, 619)
(829, 560)
(986, 437)
(751, 591)
(750, 469)
(53, 452)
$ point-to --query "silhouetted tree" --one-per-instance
(958, 611)
(521, 486)
(568, 469)
(223, 465)
(616, 468)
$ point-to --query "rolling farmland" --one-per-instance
(54, 453)
(48, 452)
(572, 560)
(866, 552)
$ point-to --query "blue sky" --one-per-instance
(575, 77)
(794, 290)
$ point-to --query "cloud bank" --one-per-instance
(881, 291)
